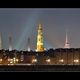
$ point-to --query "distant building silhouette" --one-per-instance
(67, 44)
(28, 44)
(0, 42)
(10, 43)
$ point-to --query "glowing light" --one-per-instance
(61, 60)
(48, 60)
(0, 60)
(76, 60)
(27, 30)
(34, 60)
(21, 59)
(11, 61)
(14, 60)
(45, 49)
(17, 60)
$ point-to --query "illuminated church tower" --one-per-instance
(0, 42)
(67, 45)
(40, 47)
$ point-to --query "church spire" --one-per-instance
(67, 45)
(40, 47)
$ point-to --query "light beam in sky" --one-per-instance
(27, 30)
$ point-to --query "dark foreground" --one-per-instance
(50, 68)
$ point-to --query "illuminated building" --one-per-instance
(40, 47)
(58, 56)
(67, 45)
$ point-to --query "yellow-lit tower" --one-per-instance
(40, 47)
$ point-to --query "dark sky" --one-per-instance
(21, 23)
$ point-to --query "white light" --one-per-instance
(61, 60)
(76, 60)
(10, 59)
(34, 60)
(48, 60)
(14, 58)
(11, 62)
(0, 59)
(45, 49)
(21, 59)
(17, 60)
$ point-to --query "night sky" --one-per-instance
(21, 23)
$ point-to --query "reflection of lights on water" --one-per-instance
(48, 60)
(61, 60)
(76, 60)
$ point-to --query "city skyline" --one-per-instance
(22, 24)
